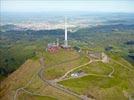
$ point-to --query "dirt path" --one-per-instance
(57, 86)
(83, 76)
(111, 73)
(54, 84)
(29, 82)
(22, 88)
(122, 65)
(73, 70)
(62, 78)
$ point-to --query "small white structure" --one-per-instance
(77, 74)
(74, 75)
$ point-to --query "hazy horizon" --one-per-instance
(19, 11)
(123, 6)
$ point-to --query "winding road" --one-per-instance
(22, 88)
(57, 86)
(122, 65)
(62, 78)
(54, 83)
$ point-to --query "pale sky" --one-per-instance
(67, 5)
